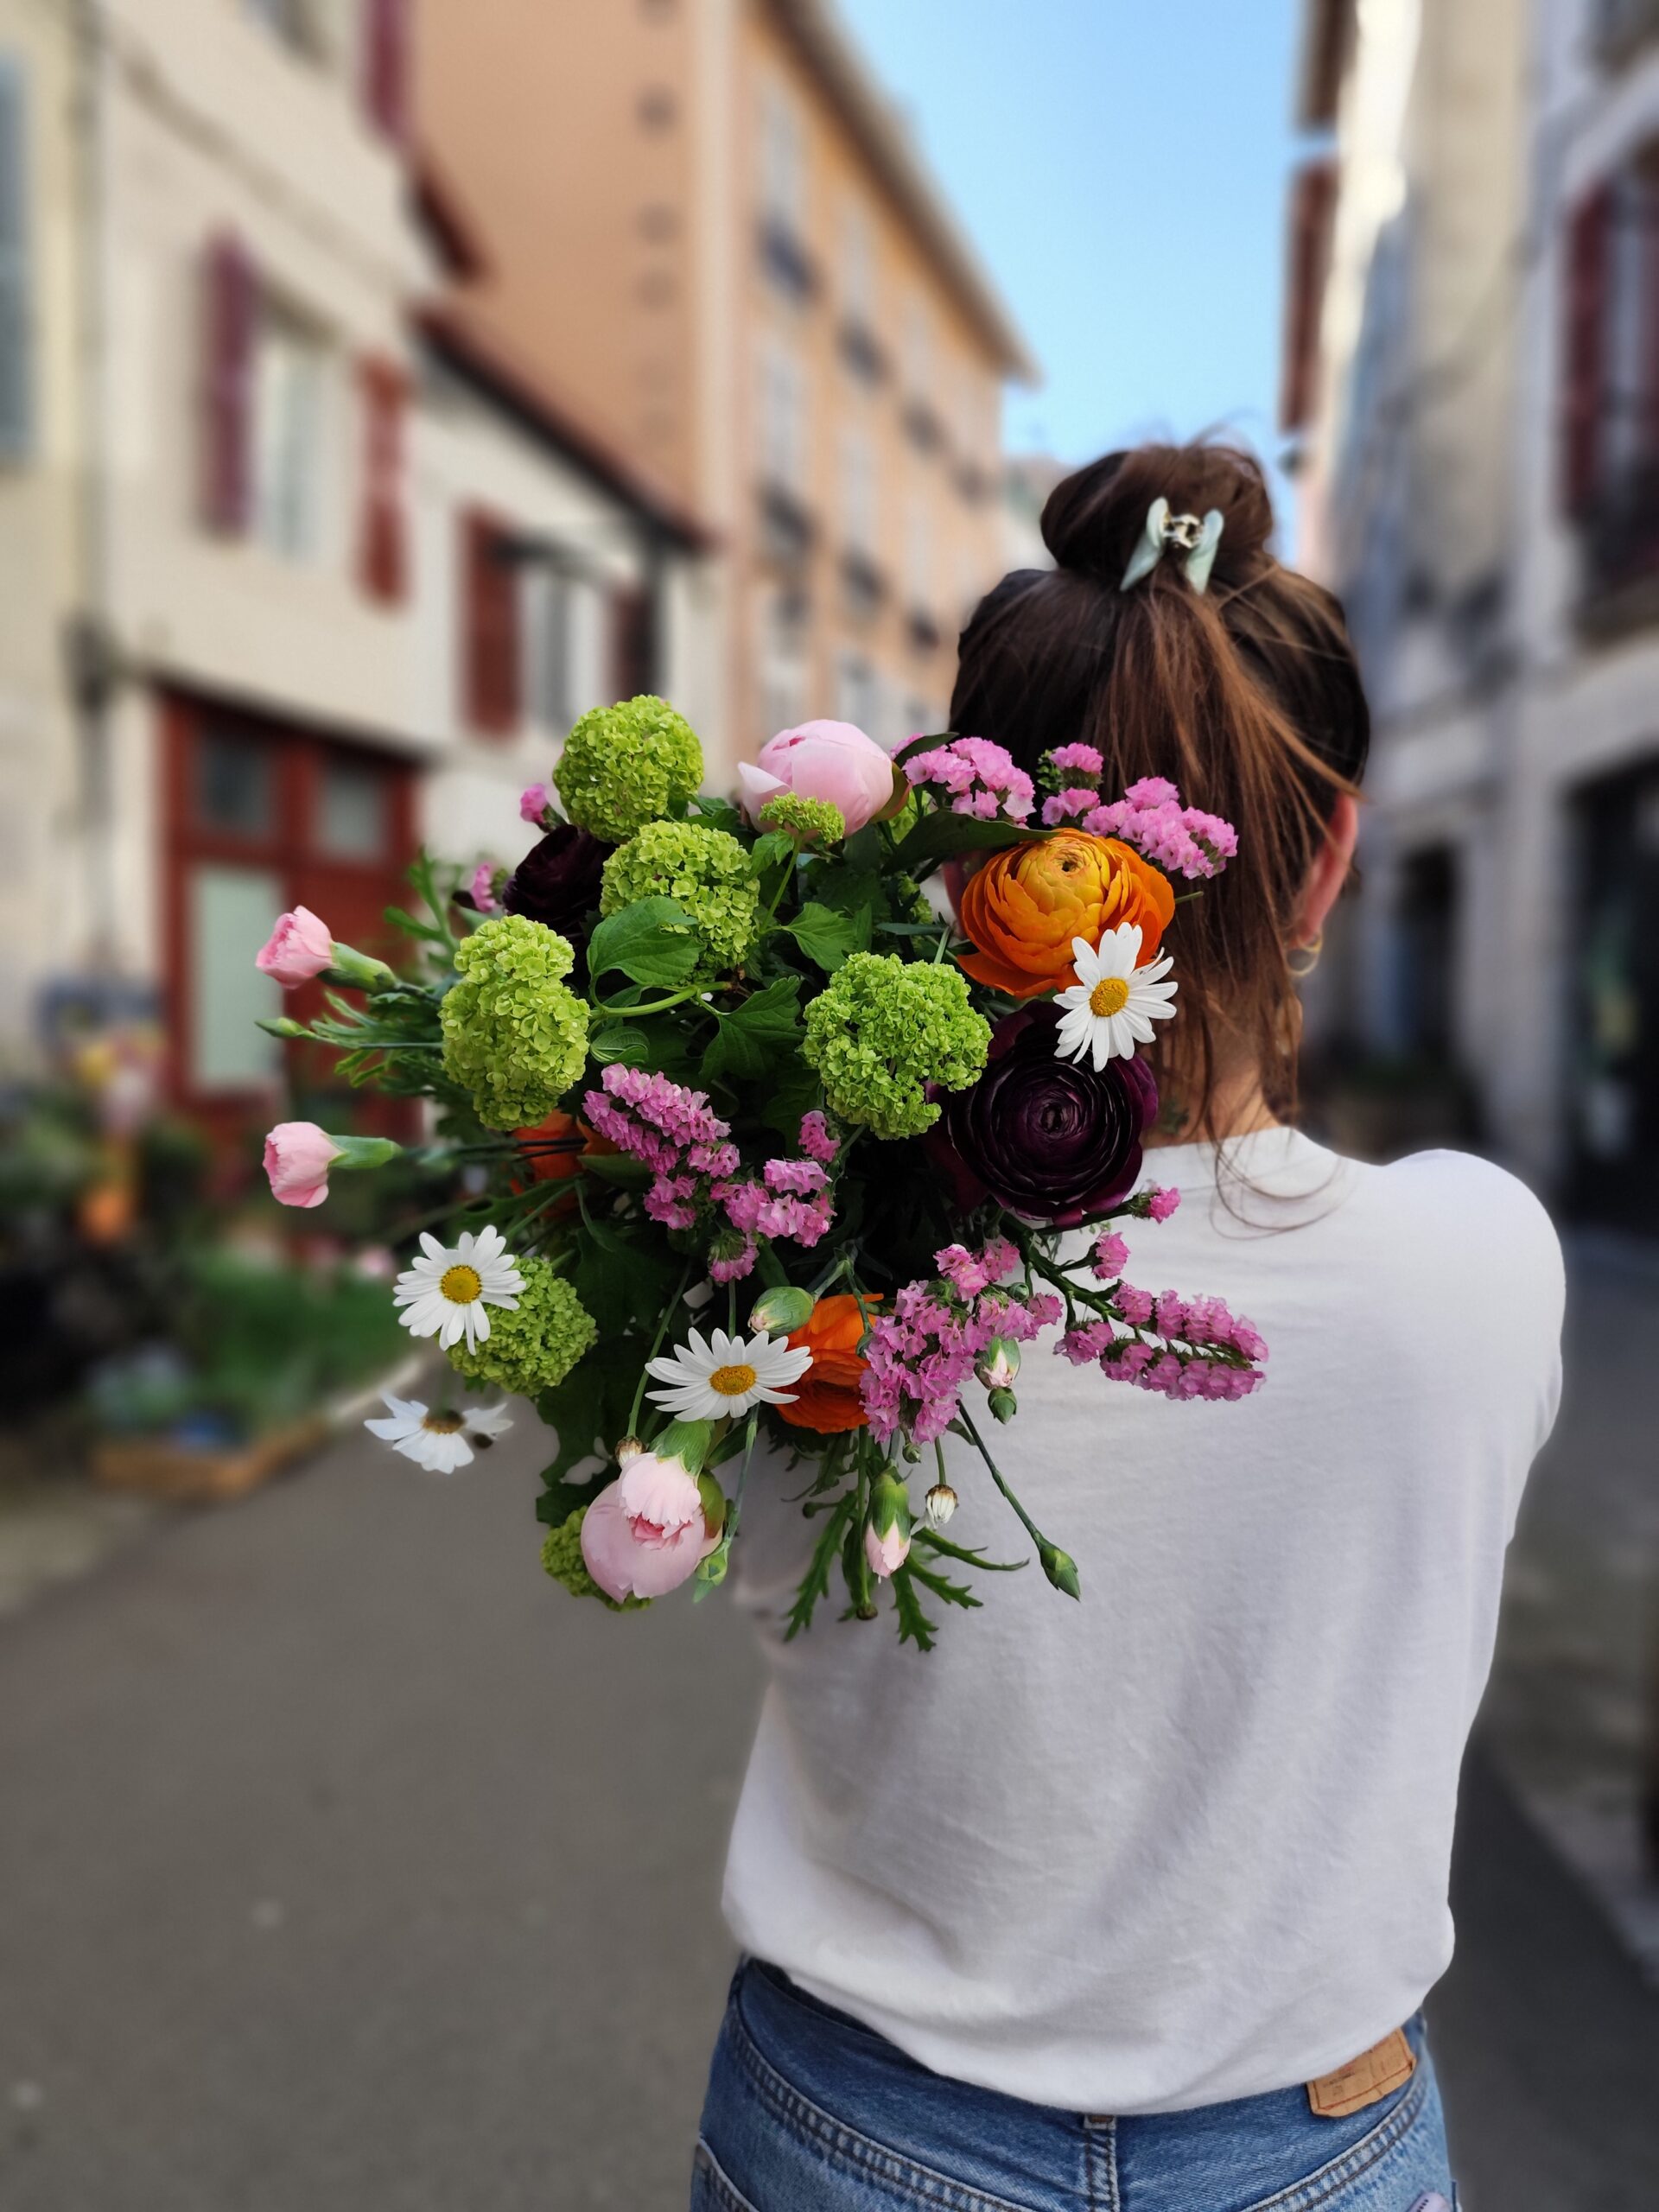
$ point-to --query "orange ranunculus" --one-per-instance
(555, 1148)
(1027, 903)
(826, 1397)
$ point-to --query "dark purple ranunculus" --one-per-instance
(1046, 1138)
(557, 881)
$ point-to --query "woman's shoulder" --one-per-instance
(1473, 1219)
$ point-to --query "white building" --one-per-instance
(290, 575)
(1473, 371)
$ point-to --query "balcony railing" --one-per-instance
(788, 531)
(1620, 540)
(787, 262)
(1620, 27)
(922, 631)
(922, 426)
(863, 582)
(862, 351)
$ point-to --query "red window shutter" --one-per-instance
(1584, 365)
(382, 551)
(631, 642)
(229, 312)
(490, 635)
(386, 31)
(1313, 207)
(1648, 204)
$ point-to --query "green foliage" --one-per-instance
(588, 1411)
(827, 936)
(514, 1037)
(625, 765)
(707, 871)
(941, 835)
(532, 1347)
(761, 1037)
(883, 1030)
(654, 941)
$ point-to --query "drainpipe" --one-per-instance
(91, 668)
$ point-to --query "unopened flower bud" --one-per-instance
(781, 1309)
(629, 1448)
(1061, 1569)
(1003, 1404)
(886, 1533)
(999, 1363)
(941, 1503)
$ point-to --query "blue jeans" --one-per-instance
(807, 2111)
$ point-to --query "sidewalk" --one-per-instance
(1575, 1679)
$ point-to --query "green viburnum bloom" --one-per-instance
(881, 1029)
(562, 1558)
(810, 821)
(709, 874)
(533, 1347)
(623, 766)
(512, 1034)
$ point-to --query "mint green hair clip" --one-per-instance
(1199, 541)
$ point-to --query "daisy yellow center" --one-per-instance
(461, 1285)
(732, 1381)
(1110, 995)
(442, 1424)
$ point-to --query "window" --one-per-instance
(918, 347)
(16, 337)
(858, 491)
(657, 109)
(289, 373)
(782, 160)
(860, 692)
(235, 787)
(229, 919)
(783, 427)
(351, 811)
(919, 555)
(1609, 430)
(383, 548)
(783, 662)
(492, 653)
(297, 24)
(549, 610)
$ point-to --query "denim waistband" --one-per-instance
(821, 2071)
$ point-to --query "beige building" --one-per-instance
(1474, 376)
(708, 227)
(292, 577)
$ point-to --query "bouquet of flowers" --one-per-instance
(753, 1136)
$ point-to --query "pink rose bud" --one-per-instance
(533, 804)
(298, 1155)
(822, 760)
(299, 948)
(483, 888)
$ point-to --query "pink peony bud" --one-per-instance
(822, 760)
(646, 1534)
(533, 804)
(299, 948)
(298, 1155)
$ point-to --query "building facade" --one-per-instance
(1473, 376)
(746, 278)
(291, 579)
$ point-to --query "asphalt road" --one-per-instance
(346, 1866)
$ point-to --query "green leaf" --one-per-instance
(588, 1408)
(936, 1542)
(938, 836)
(764, 1030)
(815, 1583)
(848, 890)
(952, 1593)
(828, 937)
(719, 814)
(617, 1168)
(653, 941)
(772, 850)
(914, 1626)
(791, 1090)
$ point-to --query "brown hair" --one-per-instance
(1247, 696)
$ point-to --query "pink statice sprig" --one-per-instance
(1181, 840)
(970, 775)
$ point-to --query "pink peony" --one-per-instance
(299, 948)
(645, 1535)
(298, 1155)
(885, 1554)
(829, 761)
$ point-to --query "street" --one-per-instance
(350, 1867)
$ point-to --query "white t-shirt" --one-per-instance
(1188, 1839)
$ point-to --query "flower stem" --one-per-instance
(1059, 1566)
(600, 1012)
(656, 1346)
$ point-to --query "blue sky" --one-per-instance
(1122, 166)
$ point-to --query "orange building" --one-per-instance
(707, 224)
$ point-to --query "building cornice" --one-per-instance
(815, 30)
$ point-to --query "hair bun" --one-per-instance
(1093, 517)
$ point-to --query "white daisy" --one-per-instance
(1113, 1004)
(445, 1292)
(438, 1442)
(726, 1376)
